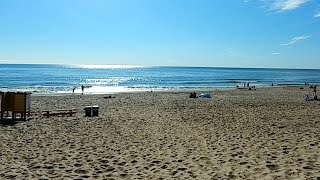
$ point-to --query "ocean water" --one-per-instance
(44, 78)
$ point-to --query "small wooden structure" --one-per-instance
(58, 112)
(13, 103)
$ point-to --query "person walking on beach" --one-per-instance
(315, 90)
(82, 88)
(74, 88)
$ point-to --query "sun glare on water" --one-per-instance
(108, 66)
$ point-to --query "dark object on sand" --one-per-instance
(108, 97)
(59, 112)
(193, 95)
(252, 88)
(91, 111)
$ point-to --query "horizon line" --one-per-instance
(149, 66)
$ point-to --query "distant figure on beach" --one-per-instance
(248, 84)
(315, 90)
(244, 85)
(272, 85)
(74, 88)
(82, 88)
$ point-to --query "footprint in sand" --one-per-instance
(243, 163)
(68, 170)
(77, 165)
(174, 173)
(80, 171)
(110, 169)
(164, 167)
(182, 169)
(155, 162)
(86, 176)
(122, 163)
(104, 161)
(123, 175)
(272, 166)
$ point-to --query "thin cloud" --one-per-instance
(285, 5)
(316, 15)
(233, 53)
(295, 39)
(275, 53)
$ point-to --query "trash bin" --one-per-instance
(88, 111)
(91, 111)
(95, 110)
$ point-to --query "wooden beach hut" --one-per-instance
(13, 103)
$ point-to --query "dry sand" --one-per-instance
(270, 133)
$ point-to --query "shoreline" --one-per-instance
(173, 91)
(152, 90)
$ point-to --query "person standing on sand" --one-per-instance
(314, 90)
(82, 88)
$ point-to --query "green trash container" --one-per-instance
(88, 111)
(95, 110)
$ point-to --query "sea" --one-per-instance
(104, 79)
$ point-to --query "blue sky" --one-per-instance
(222, 33)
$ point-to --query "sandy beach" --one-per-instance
(269, 133)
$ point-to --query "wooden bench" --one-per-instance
(58, 112)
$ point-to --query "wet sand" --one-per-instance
(270, 133)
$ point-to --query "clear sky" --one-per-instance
(227, 33)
